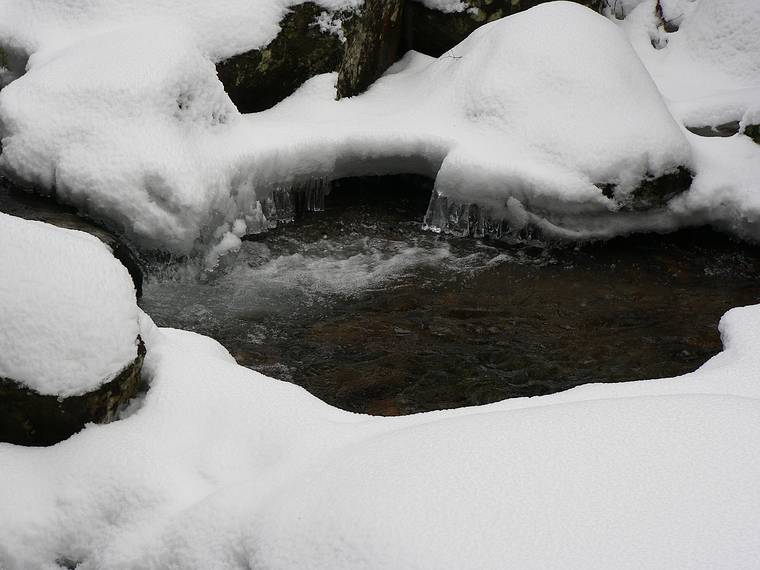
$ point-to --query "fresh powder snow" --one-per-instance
(67, 309)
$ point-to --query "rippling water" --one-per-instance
(371, 314)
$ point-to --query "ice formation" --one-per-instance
(68, 319)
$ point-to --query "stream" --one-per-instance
(371, 314)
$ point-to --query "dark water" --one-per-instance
(371, 314)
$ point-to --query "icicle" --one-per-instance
(471, 220)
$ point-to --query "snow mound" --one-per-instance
(550, 123)
(132, 126)
(67, 307)
(709, 69)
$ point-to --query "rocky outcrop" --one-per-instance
(373, 46)
(30, 418)
(31, 206)
(360, 45)
(258, 79)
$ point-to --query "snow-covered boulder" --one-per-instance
(546, 118)
(69, 334)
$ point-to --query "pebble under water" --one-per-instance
(366, 311)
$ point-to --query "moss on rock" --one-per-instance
(373, 46)
(258, 79)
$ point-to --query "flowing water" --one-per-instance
(365, 310)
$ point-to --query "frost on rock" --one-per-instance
(67, 308)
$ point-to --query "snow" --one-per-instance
(709, 73)
(154, 145)
(221, 467)
(67, 308)
(447, 6)
(709, 69)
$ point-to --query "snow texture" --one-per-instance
(221, 467)
(67, 308)
(709, 69)
(132, 125)
(447, 6)
(709, 73)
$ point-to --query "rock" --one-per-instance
(753, 132)
(727, 130)
(652, 192)
(31, 206)
(30, 418)
(373, 46)
(258, 79)
(433, 32)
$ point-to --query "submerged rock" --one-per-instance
(260, 78)
(30, 418)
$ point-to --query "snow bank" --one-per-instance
(709, 73)
(222, 467)
(132, 125)
(67, 308)
(709, 69)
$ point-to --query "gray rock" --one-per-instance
(373, 46)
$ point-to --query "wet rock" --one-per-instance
(434, 33)
(373, 46)
(25, 204)
(258, 79)
(30, 418)
(653, 192)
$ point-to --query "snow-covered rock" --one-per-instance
(67, 308)
(709, 68)
(154, 145)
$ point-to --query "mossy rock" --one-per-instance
(258, 79)
(434, 33)
(373, 46)
(30, 418)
